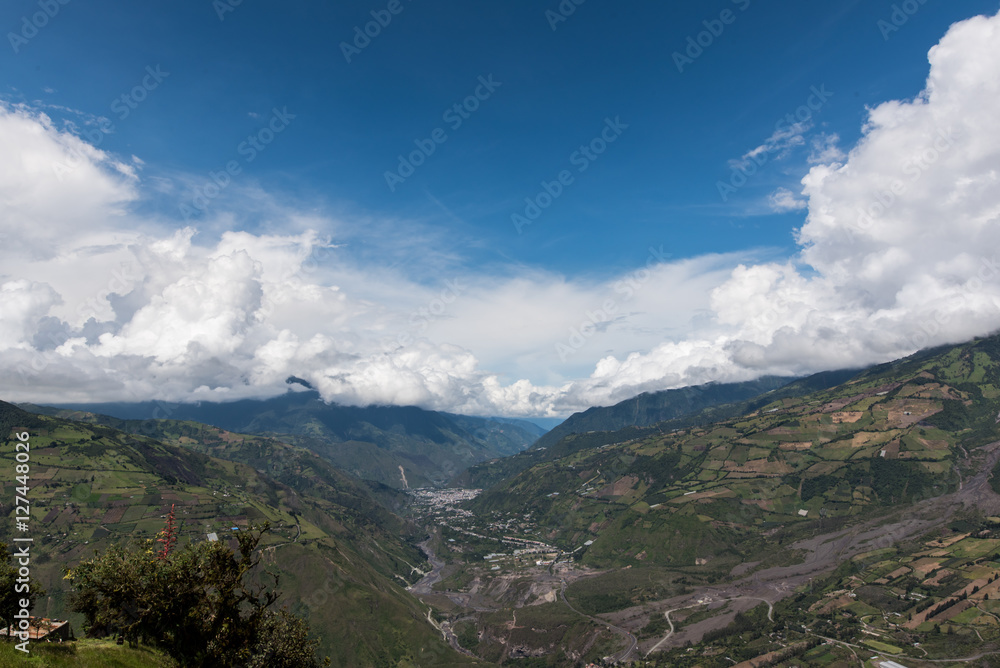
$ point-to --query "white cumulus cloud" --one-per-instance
(783, 199)
(899, 248)
(897, 252)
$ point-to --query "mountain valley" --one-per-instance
(844, 509)
(822, 521)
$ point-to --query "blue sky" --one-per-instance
(658, 185)
(224, 70)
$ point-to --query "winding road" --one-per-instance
(770, 616)
(852, 646)
(633, 641)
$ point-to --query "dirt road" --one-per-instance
(624, 654)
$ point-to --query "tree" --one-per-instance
(200, 604)
(282, 642)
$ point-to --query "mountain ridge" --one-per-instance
(714, 401)
(398, 446)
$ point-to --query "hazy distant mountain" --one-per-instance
(652, 407)
(398, 446)
(651, 413)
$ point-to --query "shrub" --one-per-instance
(203, 604)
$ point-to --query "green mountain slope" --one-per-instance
(301, 469)
(821, 525)
(894, 434)
(395, 446)
(342, 558)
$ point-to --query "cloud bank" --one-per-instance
(898, 251)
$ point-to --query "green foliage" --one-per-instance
(882, 599)
(818, 486)
(954, 417)
(84, 654)
(695, 501)
(895, 481)
(10, 595)
(620, 588)
(598, 603)
(662, 469)
(201, 605)
(651, 414)
(12, 417)
(656, 627)
(562, 631)
(282, 641)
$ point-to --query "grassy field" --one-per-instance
(883, 647)
(82, 654)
